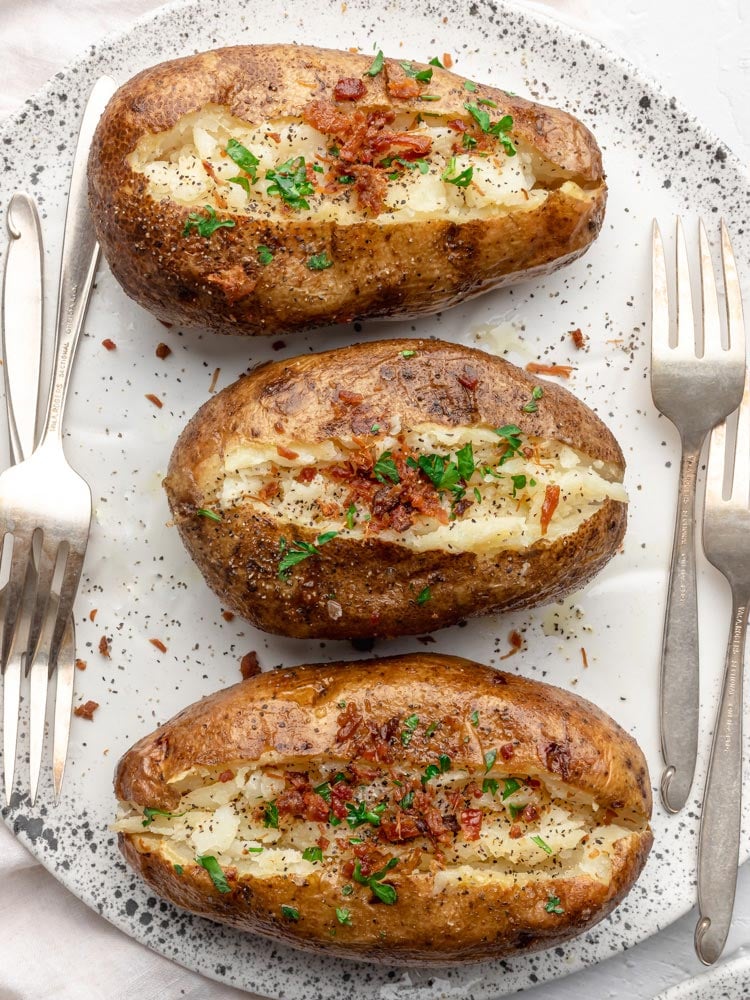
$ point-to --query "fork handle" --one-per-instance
(80, 255)
(679, 689)
(719, 839)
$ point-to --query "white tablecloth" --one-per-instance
(51, 945)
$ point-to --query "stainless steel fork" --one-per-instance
(726, 542)
(695, 383)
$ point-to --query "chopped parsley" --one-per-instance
(206, 225)
(210, 514)
(215, 872)
(422, 75)
(289, 181)
(424, 596)
(254, 850)
(532, 406)
(385, 468)
(477, 495)
(375, 428)
(465, 462)
(244, 182)
(290, 912)
(264, 254)
(347, 890)
(468, 141)
(407, 354)
(487, 101)
(519, 482)
(344, 916)
(271, 815)
(296, 552)
(178, 869)
(429, 97)
(358, 813)
(450, 176)
(510, 785)
(489, 760)
(410, 726)
(244, 159)
(381, 890)
(433, 770)
(319, 262)
(511, 435)
(498, 129)
(350, 515)
(313, 854)
(376, 65)
(150, 813)
(435, 61)
(553, 905)
(470, 86)
(431, 729)
(407, 801)
(346, 179)
(490, 785)
(542, 843)
(474, 718)
(515, 810)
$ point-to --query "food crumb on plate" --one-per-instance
(86, 710)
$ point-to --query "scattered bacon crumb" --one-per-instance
(530, 813)
(350, 398)
(86, 711)
(109, 344)
(584, 657)
(403, 89)
(249, 665)
(228, 616)
(286, 452)
(105, 646)
(80, 664)
(226, 775)
(578, 338)
(214, 379)
(507, 750)
(549, 506)
(563, 371)
(93, 614)
(349, 88)
(154, 399)
(278, 345)
(159, 645)
(274, 135)
(515, 831)
(516, 642)
(447, 60)
(468, 381)
(163, 351)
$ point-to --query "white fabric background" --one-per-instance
(51, 945)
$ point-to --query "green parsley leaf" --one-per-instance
(424, 167)
(254, 850)
(430, 772)
(313, 854)
(422, 75)
(485, 100)
(519, 482)
(382, 891)
(319, 262)
(359, 814)
(206, 225)
(531, 407)
(324, 791)
(543, 844)
(334, 151)
(376, 66)
(511, 437)
(347, 890)
(515, 810)
(341, 704)
(499, 129)
(431, 729)
(445, 763)
(407, 801)
(424, 596)
(474, 718)
(470, 86)
(489, 760)
(468, 141)
(344, 916)
(244, 182)
(215, 872)
(178, 869)
(210, 514)
(489, 785)
(442, 473)
(407, 354)
(290, 912)
(318, 169)
(510, 785)
(465, 462)
(553, 905)
(429, 97)
(290, 555)
(450, 176)
(290, 183)
(333, 820)
(264, 254)
(375, 428)
(435, 61)
(477, 495)
(150, 813)
(410, 725)
(346, 179)
(244, 159)
(271, 815)
(482, 118)
(385, 468)
(350, 515)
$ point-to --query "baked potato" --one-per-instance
(416, 809)
(271, 188)
(394, 488)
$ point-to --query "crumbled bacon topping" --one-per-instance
(549, 506)
(403, 89)
(536, 368)
(349, 88)
(578, 338)
(249, 665)
(471, 823)
(110, 345)
(86, 711)
(105, 646)
(349, 722)
(163, 351)
(159, 645)
(286, 452)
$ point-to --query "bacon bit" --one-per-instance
(93, 613)
(276, 136)
(105, 646)
(226, 776)
(608, 817)
(350, 398)
(249, 665)
(270, 490)
(468, 381)
(447, 60)
(471, 823)
(349, 722)
(307, 474)
(578, 338)
(323, 842)
(507, 751)
(209, 168)
(403, 827)
(159, 645)
(533, 782)
(516, 642)
(530, 813)
(549, 506)
(214, 379)
(585, 658)
(349, 88)
(80, 664)
(154, 399)
(562, 371)
(163, 351)
(109, 344)
(228, 616)
(328, 508)
(86, 711)
(458, 125)
(515, 831)
(371, 188)
(403, 89)
(278, 345)
(286, 452)
(279, 427)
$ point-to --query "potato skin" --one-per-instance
(552, 731)
(393, 270)
(376, 581)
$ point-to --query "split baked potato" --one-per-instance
(394, 488)
(417, 809)
(267, 188)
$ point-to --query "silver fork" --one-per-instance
(726, 542)
(695, 385)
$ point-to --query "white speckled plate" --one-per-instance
(142, 584)
(728, 981)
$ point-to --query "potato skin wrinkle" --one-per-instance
(291, 718)
(374, 582)
(401, 268)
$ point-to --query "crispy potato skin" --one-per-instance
(552, 732)
(394, 270)
(376, 581)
